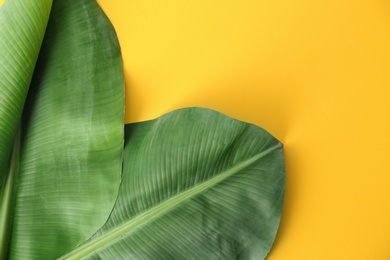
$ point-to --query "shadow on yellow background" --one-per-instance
(313, 73)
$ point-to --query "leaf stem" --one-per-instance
(8, 196)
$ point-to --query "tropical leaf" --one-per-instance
(72, 134)
(196, 185)
(23, 25)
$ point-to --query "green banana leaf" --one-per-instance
(71, 133)
(18, 55)
(194, 184)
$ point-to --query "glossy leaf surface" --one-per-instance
(72, 134)
(196, 185)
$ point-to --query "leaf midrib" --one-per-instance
(8, 196)
(143, 219)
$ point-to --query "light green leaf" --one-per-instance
(22, 27)
(72, 134)
(196, 185)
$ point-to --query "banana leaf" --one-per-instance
(71, 133)
(18, 55)
(194, 184)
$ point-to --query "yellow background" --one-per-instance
(313, 73)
